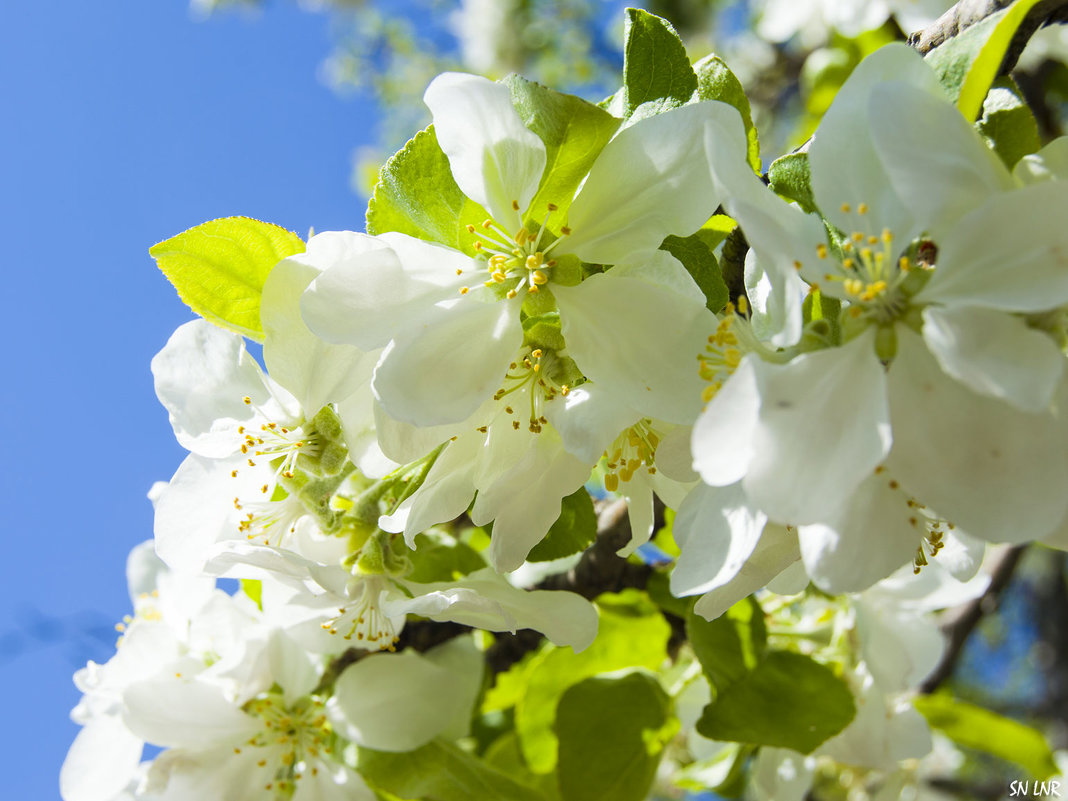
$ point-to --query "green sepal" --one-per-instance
(655, 64)
(789, 177)
(715, 81)
(440, 771)
(1008, 122)
(974, 727)
(543, 331)
(219, 268)
(612, 731)
(787, 700)
(574, 530)
(417, 195)
(574, 133)
(702, 266)
(818, 307)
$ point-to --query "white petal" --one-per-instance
(639, 496)
(332, 782)
(716, 531)
(1049, 163)
(866, 540)
(1023, 267)
(101, 761)
(652, 181)
(845, 166)
(775, 552)
(403, 442)
(824, 426)
(637, 336)
(495, 159)
(724, 434)
(315, 372)
(202, 376)
(396, 702)
(942, 166)
(176, 713)
(525, 502)
(996, 472)
(442, 372)
(291, 667)
(995, 354)
(564, 617)
(372, 287)
(589, 419)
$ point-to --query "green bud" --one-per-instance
(328, 424)
(537, 304)
(567, 271)
(332, 458)
(915, 280)
(817, 335)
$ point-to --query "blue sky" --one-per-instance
(124, 123)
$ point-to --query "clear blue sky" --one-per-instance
(124, 122)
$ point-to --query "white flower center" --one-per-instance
(930, 527)
(530, 375)
(515, 256)
(632, 450)
(725, 348)
(292, 740)
(363, 620)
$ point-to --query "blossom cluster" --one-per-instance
(882, 396)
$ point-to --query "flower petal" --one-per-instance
(635, 334)
(589, 419)
(652, 181)
(942, 166)
(723, 436)
(774, 553)
(396, 702)
(995, 354)
(823, 427)
(443, 371)
(1023, 268)
(176, 713)
(996, 472)
(495, 159)
(874, 534)
(716, 531)
(846, 169)
(101, 761)
(1049, 163)
(315, 372)
(371, 287)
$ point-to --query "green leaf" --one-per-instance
(702, 266)
(715, 81)
(440, 771)
(730, 646)
(417, 195)
(789, 177)
(985, 68)
(717, 229)
(574, 133)
(1008, 122)
(631, 633)
(975, 727)
(219, 267)
(253, 588)
(655, 64)
(788, 701)
(574, 530)
(968, 62)
(439, 556)
(659, 588)
(611, 733)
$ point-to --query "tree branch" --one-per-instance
(961, 621)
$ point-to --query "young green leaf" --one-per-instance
(611, 732)
(789, 176)
(574, 530)
(574, 133)
(715, 81)
(219, 267)
(1009, 123)
(730, 646)
(788, 700)
(655, 64)
(975, 727)
(439, 771)
(417, 195)
(631, 633)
